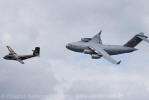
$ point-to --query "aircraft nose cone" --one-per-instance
(68, 46)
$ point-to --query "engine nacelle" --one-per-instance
(85, 39)
(95, 56)
(87, 51)
(10, 53)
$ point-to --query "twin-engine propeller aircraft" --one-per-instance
(13, 56)
(96, 49)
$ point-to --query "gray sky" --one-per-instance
(60, 74)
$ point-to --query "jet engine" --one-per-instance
(85, 39)
(95, 56)
(87, 51)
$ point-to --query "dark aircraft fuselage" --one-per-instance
(10, 57)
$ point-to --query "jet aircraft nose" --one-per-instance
(4, 57)
(68, 46)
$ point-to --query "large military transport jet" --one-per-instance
(13, 56)
(96, 49)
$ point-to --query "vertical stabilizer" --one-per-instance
(136, 40)
(36, 52)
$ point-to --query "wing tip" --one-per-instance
(100, 32)
(22, 63)
(119, 62)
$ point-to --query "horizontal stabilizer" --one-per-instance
(144, 38)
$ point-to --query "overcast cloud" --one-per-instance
(60, 74)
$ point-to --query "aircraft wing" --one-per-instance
(11, 50)
(21, 61)
(97, 38)
(23, 57)
(96, 48)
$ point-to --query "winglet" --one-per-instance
(21, 61)
(100, 32)
(119, 62)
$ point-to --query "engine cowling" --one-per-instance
(94, 56)
(10, 53)
(87, 51)
(85, 39)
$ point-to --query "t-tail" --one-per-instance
(136, 40)
(36, 52)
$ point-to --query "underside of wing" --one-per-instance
(103, 53)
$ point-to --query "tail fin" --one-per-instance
(135, 40)
(36, 52)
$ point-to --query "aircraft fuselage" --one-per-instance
(11, 57)
(83, 47)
